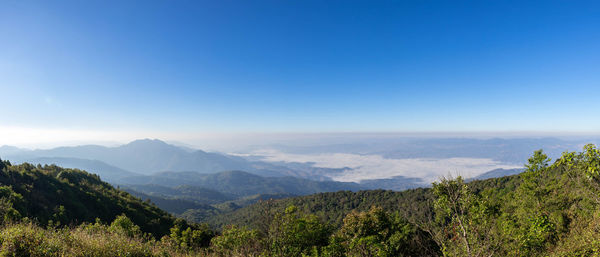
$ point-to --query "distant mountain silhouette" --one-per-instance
(497, 173)
(106, 172)
(144, 156)
(10, 150)
(140, 159)
(398, 183)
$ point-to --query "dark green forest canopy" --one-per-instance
(51, 194)
(332, 207)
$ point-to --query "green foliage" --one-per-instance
(374, 233)
(191, 237)
(549, 210)
(53, 195)
(237, 241)
(27, 240)
(293, 234)
(586, 164)
(539, 161)
(330, 207)
(124, 225)
(534, 176)
(540, 231)
(546, 209)
(235, 184)
(11, 204)
(464, 222)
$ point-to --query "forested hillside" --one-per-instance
(551, 209)
(198, 196)
(239, 183)
(53, 196)
(107, 173)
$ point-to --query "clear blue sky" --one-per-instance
(301, 66)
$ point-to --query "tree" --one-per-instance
(464, 222)
(124, 225)
(9, 199)
(293, 234)
(237, 241)
(538, 162)
(584, 167)
(530, 219)
(374, 233)
(191, 237)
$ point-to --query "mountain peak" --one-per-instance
(147, 142)
(7, 149)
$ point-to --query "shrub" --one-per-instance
(236, 241)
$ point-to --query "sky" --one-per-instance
(120, 70)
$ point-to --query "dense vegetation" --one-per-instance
(51, 194)
(332, 207)
(235, 184)
(551, 209)
(56, 197)
(195, 196)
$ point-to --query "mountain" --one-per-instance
(171, 205)
(240, 183)
(144, 156)
(106, 172)
(10, 150)
(138, 160)
(195, 194)
(551, 209)
(196, 197)
(332, 207)
(148, 156)
(202, 214)
(497, 173)
(70, 196)
(195, 203)
(397, 183)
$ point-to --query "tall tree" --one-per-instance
(464, 222)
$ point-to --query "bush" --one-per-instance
(28, 240)
(237, 241)
(124, 225)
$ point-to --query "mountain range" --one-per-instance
(146, 157)
(195, 183)
(149, 158)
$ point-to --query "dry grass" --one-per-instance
(27, 239)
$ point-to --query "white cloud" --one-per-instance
(377, 167)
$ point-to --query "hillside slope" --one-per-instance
(70, 196)
(141, 156)
(241, 183)
(107, 172)
(148, 156)
(332, 207)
